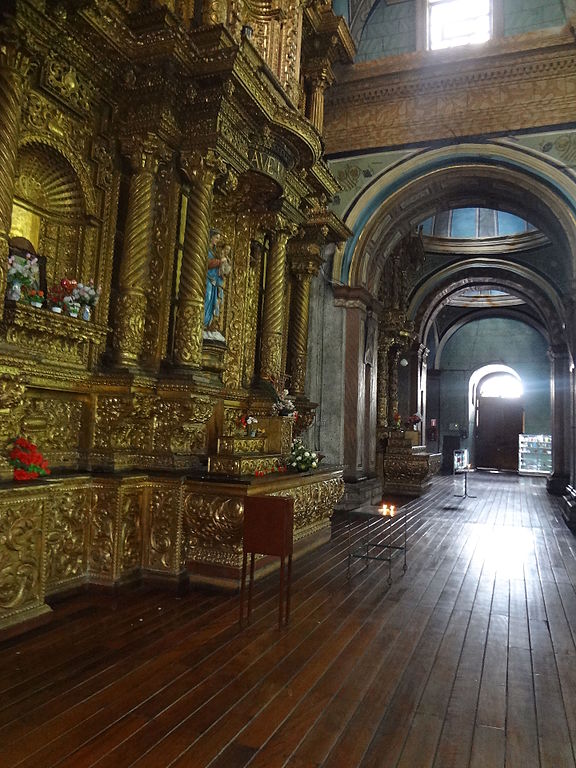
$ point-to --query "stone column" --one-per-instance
(202, 172)
(14, 67)
(424, 353)
(418, 360)
(303, 270)
(131, 305)
(355, 303)
(560, 401)
(273, 314)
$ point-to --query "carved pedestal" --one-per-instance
(213, 513)
(407, 468)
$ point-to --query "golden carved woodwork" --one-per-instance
(66, 531)
(241, 307)
(109, 136)
(64, 340)
(303, 270)
(274, 309)
(213, 516)
(106, 530)
(406, 470)
(22, 578)
(161, 266)
(134, 274)
(202, 172)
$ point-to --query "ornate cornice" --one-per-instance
(424, 98)
(497, 245)
(330, 36)
(356, 298)
(440, 78)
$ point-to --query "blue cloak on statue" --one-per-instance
(214, 291)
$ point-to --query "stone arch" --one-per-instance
(433, 294)
(496, 174)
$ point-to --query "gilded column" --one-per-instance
(303, 271)
(393, 358)
(383, 382)
(202, 172)
(131, 305)
(273, 315)
(318, 82)
(14, 67)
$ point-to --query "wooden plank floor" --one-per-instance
(466, 661)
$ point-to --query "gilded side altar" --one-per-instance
(61, 534)
(129, 133)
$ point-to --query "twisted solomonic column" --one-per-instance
(202, 172)
(14, 66)
(274, 304)
(131, 306)
(304, 268)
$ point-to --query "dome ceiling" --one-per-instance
(474, 223)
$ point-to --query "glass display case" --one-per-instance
(534, 454)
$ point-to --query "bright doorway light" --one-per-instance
(501, 385)
(458, 22)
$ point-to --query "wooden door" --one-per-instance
(499, 421)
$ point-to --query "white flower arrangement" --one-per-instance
(301, 458)
(22, 270)
(86, 294)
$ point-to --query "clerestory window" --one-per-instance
(458, 22)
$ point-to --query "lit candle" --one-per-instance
(392, 510)
(384, 509)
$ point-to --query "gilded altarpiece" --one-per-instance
(108, 119)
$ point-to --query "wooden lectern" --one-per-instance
(268, 530)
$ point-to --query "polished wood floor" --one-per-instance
(466, 660)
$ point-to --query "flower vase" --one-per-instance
(14, 292)
(37, 304)
(252, 433)
(57, 310)
(86, 312)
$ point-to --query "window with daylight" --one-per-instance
(458, 22)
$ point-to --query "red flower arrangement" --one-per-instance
(270, 470)
(27, 460)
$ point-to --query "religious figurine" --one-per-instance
(219, 267)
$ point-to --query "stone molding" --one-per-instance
(421, 100)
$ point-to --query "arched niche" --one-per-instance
(50, 210)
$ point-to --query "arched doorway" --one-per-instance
(498, 418)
